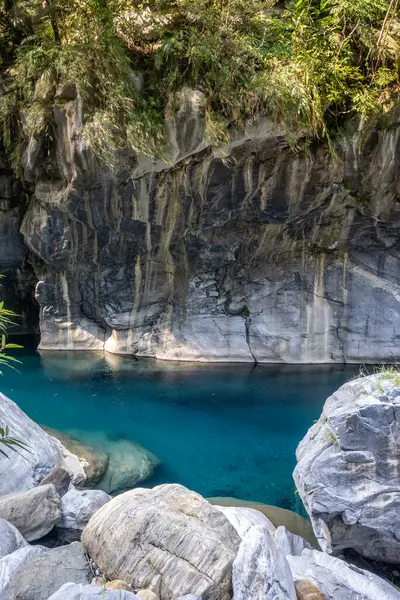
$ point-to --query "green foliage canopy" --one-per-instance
(304, 63)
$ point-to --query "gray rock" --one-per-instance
(348, 470)
(290, 544)
(244, 519)
(60, 478)
(167, 539)
(12, 565)
(71, 591)
(45, 574)
(339, 581)
(10, 538)
(24, 470)
(260, 570)
(129, 464)
(33, 513)
(77, 506)
(189, 597)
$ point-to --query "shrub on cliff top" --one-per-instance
(305, 63)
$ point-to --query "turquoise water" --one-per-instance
(222, 430)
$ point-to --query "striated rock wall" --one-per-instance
(252, 253)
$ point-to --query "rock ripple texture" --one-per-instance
(261, 571)
(348, 472)
(34, 513)
(25, 470)
(168, 539)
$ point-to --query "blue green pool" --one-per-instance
(222, 430)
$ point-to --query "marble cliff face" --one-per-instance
(252, 253)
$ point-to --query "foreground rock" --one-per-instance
(244, 519)
(93, 460)
(71, 591)
(12, 565)
(25, 470)
(60, 478)
(337, 580)
(305, 590)
(348, 471)
(10, 538)
(77, 506)
(261, 571)
(33, 513)
(45, 574)
(168, 539)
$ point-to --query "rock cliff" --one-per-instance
(257, 252)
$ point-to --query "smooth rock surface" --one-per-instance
(348, 471)
(71, 591)
(339, 581)
(77, 506)
(260, 570)
(10, 538)
(33, 513)
(118, 584)
(60, 478)
(93, 460)
(147, 595)
(244, 519)
(45, 574)
(168, 539)
(25, 470)
(129, 464)
(12, 565)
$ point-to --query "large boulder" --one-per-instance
(26, 468)
(93, 460)
(348, 471)
(12, 565)
(71, 591)
(45, 574)
(77, 506)
(168, 539)
(129, 464)
(338, 580)
(261, 571)
(10, 538)
(33, 513)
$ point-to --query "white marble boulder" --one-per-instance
(12, 565)
(25, 469)
(34, 513)
(338, 580)
(10, 538)
(167, 539)
(78, 506)
(260, 570)
(243, 519)
(348, 470)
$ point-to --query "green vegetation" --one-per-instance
(5, 320)
(305, 63)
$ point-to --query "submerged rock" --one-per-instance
(77, 506)
(26, 468)
(10, 538)
(46, 573)
(337, 580)
(260, 570)
(348, 471)
(71, 591)
(34, 513)
(93, 460)
(167, 539)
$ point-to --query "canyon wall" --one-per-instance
(256, 252)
